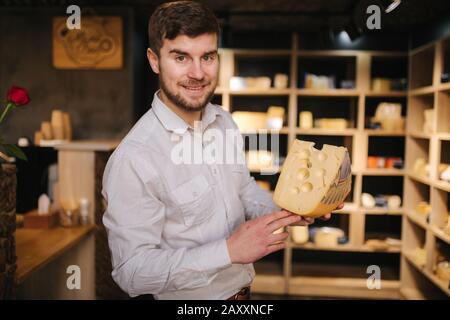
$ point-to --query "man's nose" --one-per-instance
(196, 70)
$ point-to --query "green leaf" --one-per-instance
(15, 151)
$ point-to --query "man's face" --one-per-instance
(188, 70)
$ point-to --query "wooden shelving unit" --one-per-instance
(426, 64)
(279, 276)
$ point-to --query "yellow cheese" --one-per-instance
(300, 234)
(313, 182)
(331, 123)
(260, 160)
(263, 185)
(250, 120)
(328, 237)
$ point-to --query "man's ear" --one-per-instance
(153, 60)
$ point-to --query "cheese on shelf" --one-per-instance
(313, 182)
(250, 120)
(331, 123)
(300, 234)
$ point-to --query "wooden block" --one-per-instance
(34, 220)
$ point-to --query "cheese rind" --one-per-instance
(313, 182)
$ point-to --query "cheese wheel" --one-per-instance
(313, 182)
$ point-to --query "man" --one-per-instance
(185, 230)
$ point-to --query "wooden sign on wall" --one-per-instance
(97, 45)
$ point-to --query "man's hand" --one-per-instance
(255, 239)
(306, 220)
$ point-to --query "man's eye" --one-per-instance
(180, 58)
(208, 58)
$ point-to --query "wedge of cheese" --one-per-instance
(313, 182)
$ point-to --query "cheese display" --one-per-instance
(280, 81)
(381, 84)
(328, 237)
(313, 182)
(331, 123)
(444, 172)
(419, 256)
(300, 234)
(367, 201)
(306, 120)
(421, 167)
(239, 83)
(250, 120)
(443, 270)
(424, 208)
(275, 117)
(389, 116)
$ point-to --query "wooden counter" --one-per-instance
(35, 248)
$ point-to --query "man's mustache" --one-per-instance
(194, 83)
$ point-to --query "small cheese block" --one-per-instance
(250, 120)
(300, 234)
(331, 123)
(313, 182)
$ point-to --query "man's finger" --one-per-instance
(326, 217)
(275, 216)
(273, 238)
(276, 247)
(283, 222)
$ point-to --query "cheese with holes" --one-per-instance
(313, 182)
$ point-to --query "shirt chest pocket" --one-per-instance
(195, 199)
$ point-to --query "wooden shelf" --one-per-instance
(442, 185)
(375, 132)
(271, 284)
(444, 86)
(342, 287)
(328, 92)
(260, 92)
(412, 294)
(35, 248)
(325, 132)
(424, 180)
(284, 130)
(419, 135)
(440, 234)
(417, 219)
(422, 91)
(386, 94)
(382, 211)
(433, 278)
(443, 136)
(341, 248)
(383, 172)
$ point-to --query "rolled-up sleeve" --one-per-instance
(134, 220)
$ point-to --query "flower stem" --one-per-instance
(8, 106)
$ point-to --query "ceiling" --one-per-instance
(305, 15)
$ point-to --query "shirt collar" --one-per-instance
(173, 122)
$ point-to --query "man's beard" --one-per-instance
(180, 102)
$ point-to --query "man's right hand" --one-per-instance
(255, 238)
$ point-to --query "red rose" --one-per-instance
(18, 96)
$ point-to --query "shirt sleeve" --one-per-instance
(257, 202)
(134, 221)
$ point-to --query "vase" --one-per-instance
(7, 230)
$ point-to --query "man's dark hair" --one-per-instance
(172, 19)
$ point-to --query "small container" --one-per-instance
(69, 218)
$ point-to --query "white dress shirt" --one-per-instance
(168, 222)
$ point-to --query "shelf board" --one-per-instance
(440, 234)
(261, 52)
(273, 284)
(382, 211)
(417, 219)
(375, 132)
(341, 248)
(325, 132)
(260, 92)
(386, 94)
(328, 92)
(284, 130)
(422, 91)
(444, 86)
(443, 136)
(442, 185)
(424, 180)
(412, 294)
(433, 278)
(342, 287)
(383, 172)
(419, 134)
